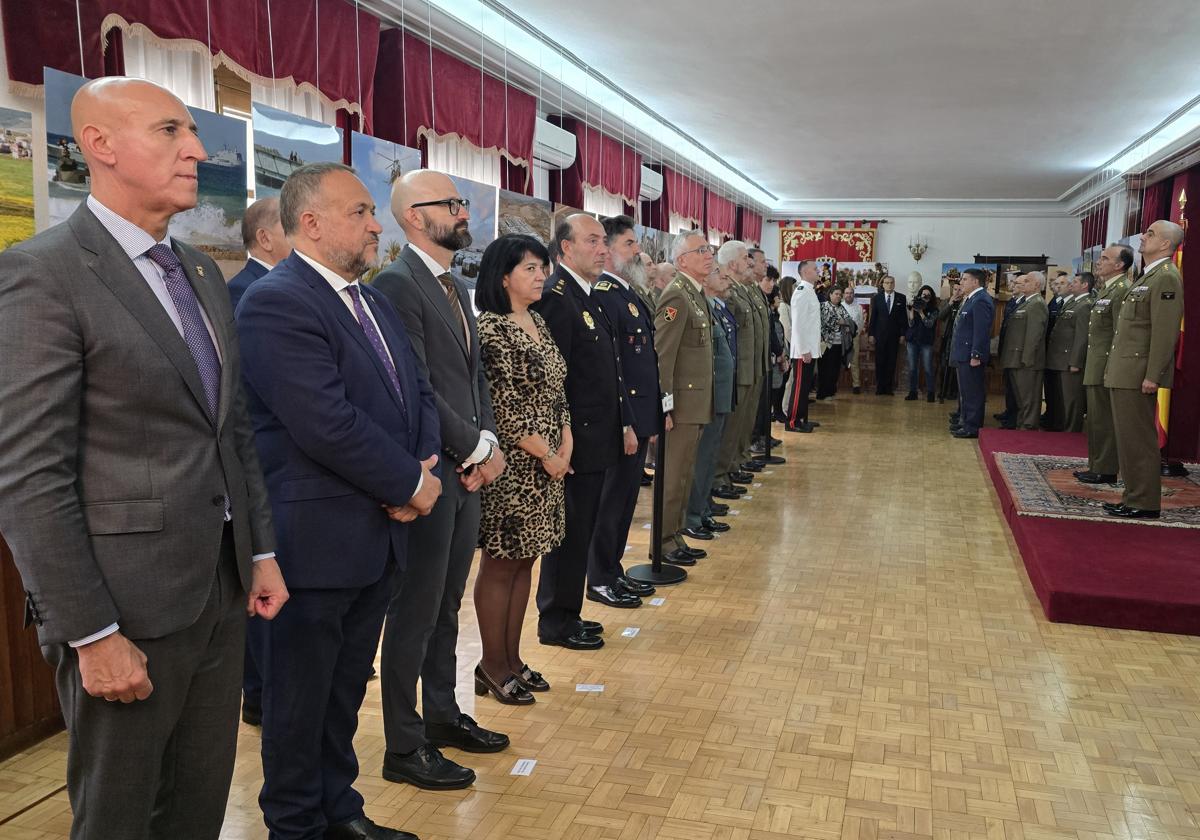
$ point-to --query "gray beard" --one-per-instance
(633, 272)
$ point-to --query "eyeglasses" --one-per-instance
(451, 204)
(703, 249)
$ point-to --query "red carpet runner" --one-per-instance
(1099, 573)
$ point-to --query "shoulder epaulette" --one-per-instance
(602, 286)
(559, 287)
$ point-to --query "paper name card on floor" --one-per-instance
(657, 602)
(589, 688)
(747, 497)
(630, 632)
(735, 512)
(757, 484)
(646, 527)
(523, 767)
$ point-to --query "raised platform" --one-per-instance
(1105, 574)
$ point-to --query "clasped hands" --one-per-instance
(424, 499)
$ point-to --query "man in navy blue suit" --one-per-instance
(263, 236)
(347, 431)
(972, 347)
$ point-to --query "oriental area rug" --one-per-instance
(1044, 485)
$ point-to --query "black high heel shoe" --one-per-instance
(512, 693)
(531, 680)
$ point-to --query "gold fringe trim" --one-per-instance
(26, 90)
(426, 132)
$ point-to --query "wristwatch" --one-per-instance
(491, 453)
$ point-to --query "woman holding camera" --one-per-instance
(922, 328)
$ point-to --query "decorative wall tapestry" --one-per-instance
(827, 241)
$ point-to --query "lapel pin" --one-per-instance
(200, 271)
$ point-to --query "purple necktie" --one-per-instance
(376, 341)
(195, 334)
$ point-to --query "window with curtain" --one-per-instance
(714, 238)
(679, 224)
(186, 71)
(455, 156)
(285, 96)
(598, 200)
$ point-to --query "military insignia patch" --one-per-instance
(1167, 296)
(670, 313)
(603, 286)
(633, 310)
(587, 319)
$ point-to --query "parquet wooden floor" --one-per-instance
(861, 657)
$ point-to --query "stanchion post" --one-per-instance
(656, 573)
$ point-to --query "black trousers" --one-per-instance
(315, 666)
(561, 582)
(160, 767)
(798, 410)
(829, 367)
(618, 499)
(886, 352)
(421, 633)
(1052, 383)
(972, 391)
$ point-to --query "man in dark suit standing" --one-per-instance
(347, 429)
(265, 243)
(888, 323)
(601, 422)
(633, 322)
(133, 499)
(970, 353)
(421, 632)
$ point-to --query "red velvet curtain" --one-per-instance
(681, 195)
(841, 241)
(720, 214)
(1183, 426)
(600, 161)
(1156, 203)
(1095, 226)
(749, 225)
(313, 41)
(433, 91)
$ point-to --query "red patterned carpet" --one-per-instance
(1090, 571)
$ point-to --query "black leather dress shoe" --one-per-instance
(963, 433)
(611, 597)
(1001, 416)
(713, 525)
(802, 427)
(679, 557)
(741, 477)
(531, 680)
(251, 715)
(718, 509)
(647, 479)
(576, 641)
(1133, 513)
(697, 533)
(752, 467)
(591, 628)
(465, 734)
(363, 829)
(1113, 505)
(689, 551)
(426, 768)
(634, 587)
(726, 493)
(1008, 426)
(1095, 478)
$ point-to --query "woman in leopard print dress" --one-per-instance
(524, 515)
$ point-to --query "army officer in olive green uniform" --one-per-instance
(1141, 361)
(1112, 268)
(1066, 350)
(1024, 353)
(683, 336)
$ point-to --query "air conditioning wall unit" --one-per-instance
(553, 147)
(652, 185)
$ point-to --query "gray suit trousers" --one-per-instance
(421, 632)
(161, 767)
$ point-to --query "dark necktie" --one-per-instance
(455, 305)
(375, 340)
(195, 334)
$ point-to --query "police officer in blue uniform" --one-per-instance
(970, 352)
(601, 422)
(633, 322)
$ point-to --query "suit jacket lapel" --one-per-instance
(114, 268)
(433, 290)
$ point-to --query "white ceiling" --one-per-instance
(895, 99)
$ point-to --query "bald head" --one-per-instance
(142, 149)
(666, 273)
(437, 229)
(262, 232)
(1161, 240)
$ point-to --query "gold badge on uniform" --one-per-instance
(670, 312)
(587, 319)
(632, 310)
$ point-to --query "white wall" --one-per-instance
(959, 240)
(37, 107)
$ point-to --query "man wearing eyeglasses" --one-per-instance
(683, 336)
(421, 633)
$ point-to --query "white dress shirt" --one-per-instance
(855, 311)
(583, 284)
(806, 321)
(260, 262)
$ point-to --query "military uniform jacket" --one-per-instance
(762, 328)
(747, 328)
(634, 324)
(724, 340)
(1068, 343)
(972, 329)
(1101, 323)
(1025, 341)
(595, 390)
(682, 334)
(1146, 331)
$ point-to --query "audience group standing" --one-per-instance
(325, 456)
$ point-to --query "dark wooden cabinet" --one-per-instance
(28, 704)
